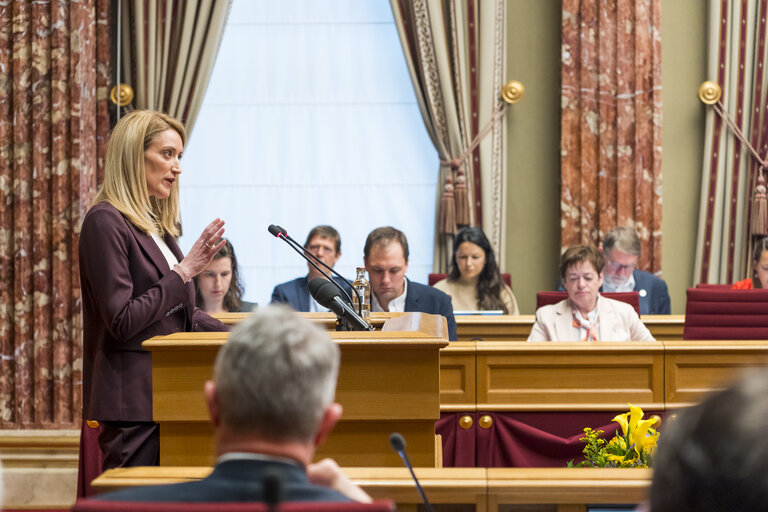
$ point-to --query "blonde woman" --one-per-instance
(135, 281)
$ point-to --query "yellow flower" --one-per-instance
(635, 415)
(621, 419)
(638, 435)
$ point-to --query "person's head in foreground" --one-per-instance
(474, 262)
(273, 386)
(714, 456)
(621, 249)
(581, 270)
(218, 288)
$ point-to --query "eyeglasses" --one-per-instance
(319, 248)
(615, 266)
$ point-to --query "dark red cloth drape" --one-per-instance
(520, 439)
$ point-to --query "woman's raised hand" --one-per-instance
(204, 249)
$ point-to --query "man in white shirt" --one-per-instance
(386, 260)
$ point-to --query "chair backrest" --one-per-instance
(631, 298)
(88, 505)
(433, 278)
(724, 314)
(714, 286)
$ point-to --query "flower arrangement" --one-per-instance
(633, 448)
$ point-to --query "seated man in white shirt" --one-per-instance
(386, 260)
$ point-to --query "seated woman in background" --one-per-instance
(218, 288)
(585, 315)
(474, 282)
(759, 278)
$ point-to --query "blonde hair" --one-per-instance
(125, 179)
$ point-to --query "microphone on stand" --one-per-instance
(327, 296)
(304, 253)
(397, 441)
(272, 488)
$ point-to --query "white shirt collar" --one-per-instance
(628, 286)
(396, 305)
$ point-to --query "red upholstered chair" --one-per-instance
(87, 505)
(433, 278)
(546, 298)
(724, 314)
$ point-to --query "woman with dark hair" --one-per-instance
(759, 278)
(474, 282)
(218, 288)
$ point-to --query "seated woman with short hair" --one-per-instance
(585, 315)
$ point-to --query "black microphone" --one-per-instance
(397, 441)
(327, 296)
(304, 253)
(272, 488)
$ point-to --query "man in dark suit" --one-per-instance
(386, 260)
(271, 401)
(621, 248)
(324, 243)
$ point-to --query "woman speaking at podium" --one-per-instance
(135, 282)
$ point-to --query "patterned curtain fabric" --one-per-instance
(53, 129)
(455, 56)
(169, 48)
(611, 122)
(737, 62)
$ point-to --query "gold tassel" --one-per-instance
(448, 208)
(759, 224)
(461, 196)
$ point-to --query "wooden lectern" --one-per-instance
(389, 381)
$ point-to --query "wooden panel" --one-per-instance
(494, 327)
(387, 382)
(517, 328)
(458, 377)
(569, 376)
(567, 489)
(695, 368)
(568, 485)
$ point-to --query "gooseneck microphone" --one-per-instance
(304, 253)
(397, 441)
(327, 296)
(272, 488)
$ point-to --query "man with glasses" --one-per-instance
(621, 248)
(324, 243)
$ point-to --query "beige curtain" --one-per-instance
(455, 55)
(169, 48)
(737, 62)
(610, 137)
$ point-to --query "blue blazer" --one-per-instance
(654, 295)
(296, 293)
(425, 299)
(653, 292)
(235, 481)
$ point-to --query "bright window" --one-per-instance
(310, 118)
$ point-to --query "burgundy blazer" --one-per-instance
(129, 294)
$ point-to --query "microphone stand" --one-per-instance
(304, 253)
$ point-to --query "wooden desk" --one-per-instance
(595, 376)
(388, 381)
(485, 488)
(495, 328)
